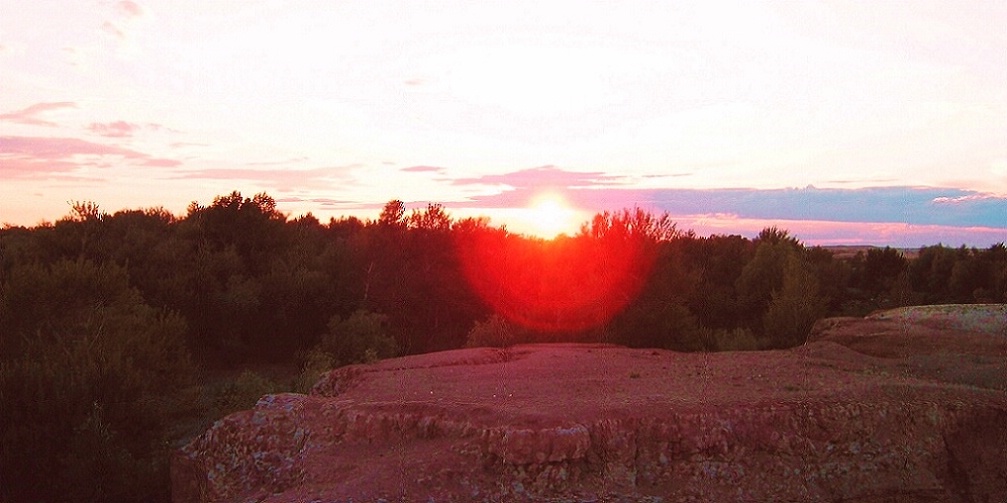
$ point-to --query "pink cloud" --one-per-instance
(544, 177)
(30, 157)
(30, 115)
(279, 179)
(129, 8)
(423, 169)
(325, 202)
(117, 129)
(111, 28)
(286, 162)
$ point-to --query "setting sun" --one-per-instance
(549, 216)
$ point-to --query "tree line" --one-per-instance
(105, 318)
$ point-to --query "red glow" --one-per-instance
(565, 284)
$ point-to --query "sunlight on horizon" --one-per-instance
(549, 215)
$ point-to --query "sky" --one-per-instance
(846, 122)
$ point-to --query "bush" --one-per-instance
(361, 338)
(495, 332)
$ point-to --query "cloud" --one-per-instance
(544, 177)
(117, 129)
(123, 129)
(279, 179)
(911, 205)
(595, 191)
(127, 13)
(31, 115)
(326, 202)
(34, 157)
(129, 9)
(285, 162)
(113, 29)
(423, 169)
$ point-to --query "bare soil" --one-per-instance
(870, 410)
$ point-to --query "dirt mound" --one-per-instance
(867, 412)
(979, 318)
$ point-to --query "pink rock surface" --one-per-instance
(870, 411)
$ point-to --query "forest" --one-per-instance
(122, 335)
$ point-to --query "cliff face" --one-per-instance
(868, 411)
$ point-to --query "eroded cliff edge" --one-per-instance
(869, 410)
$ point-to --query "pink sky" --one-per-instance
(729, 115)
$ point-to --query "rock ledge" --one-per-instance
(871, 410)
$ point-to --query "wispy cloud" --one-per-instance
(423, 169)
(280, 179)
(284, 162)
(113, 29)
(117, 129)
(32, 115)
(34, 157)
(545, 177)
(129, 9)
(327, 202)
(127, 13)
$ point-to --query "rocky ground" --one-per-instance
(890, 408)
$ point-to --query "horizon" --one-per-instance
(845, 124)
(527, 223)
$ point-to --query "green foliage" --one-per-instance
(87, 388)
(763, 274)
(882, 267)
(57, 299)
(793, 308)
(361, 338)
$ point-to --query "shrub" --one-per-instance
(361, 338)
(496, 332)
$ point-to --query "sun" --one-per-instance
(549, 216)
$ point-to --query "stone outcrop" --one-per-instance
(869, 410)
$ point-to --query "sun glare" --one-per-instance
(550, 216)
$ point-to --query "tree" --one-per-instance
(90, 377)
(881, 268)
(392, 214)
(794, 308)
(763, 274)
